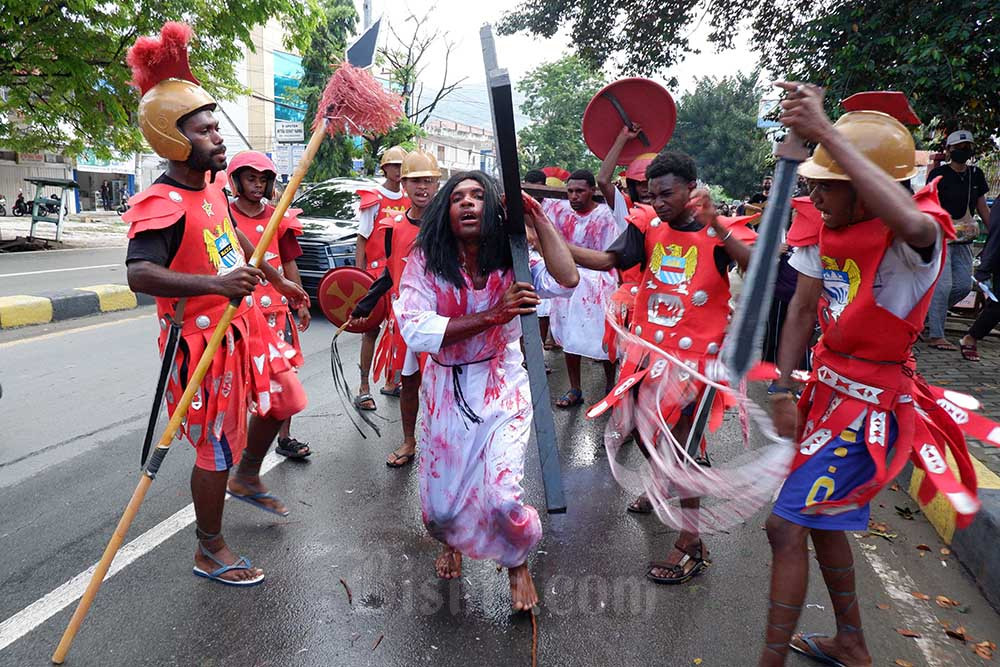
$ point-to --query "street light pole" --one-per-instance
(366, 13)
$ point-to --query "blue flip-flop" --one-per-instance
(216, 575)
(255, 498)
(815, 653)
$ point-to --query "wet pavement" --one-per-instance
(73, 414)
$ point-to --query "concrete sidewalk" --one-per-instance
(975, 546)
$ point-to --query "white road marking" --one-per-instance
(57, 334)
(915, 613)
(72, 268)
(55, 601)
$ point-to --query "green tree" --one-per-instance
(943, 55)
(63, 69)
(327, 45)
(555, 96)
(717, 126)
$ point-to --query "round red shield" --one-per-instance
(340, 290)
(645, 102)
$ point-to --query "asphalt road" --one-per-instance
(45, 270)
(72, 415)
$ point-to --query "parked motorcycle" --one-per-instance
(3, 206)
(21, 207)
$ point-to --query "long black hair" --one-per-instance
(438, 243)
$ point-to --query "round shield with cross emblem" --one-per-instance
(340, 290)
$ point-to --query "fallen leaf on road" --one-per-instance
(878, 526)
(945, 551)
(923, 547)
(958, 633)
(902, 663)
(894, 487)
(347, 588)
(908, 633)
(945, 602)
(920, 596)
(697, 661)
(984, 649)
(377, 642)
(906, 512)
(882, 606)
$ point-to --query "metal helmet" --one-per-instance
(418, 164)
(637, 168)
(880, 138)
(394, 155)
(252, 160)
(169, 89)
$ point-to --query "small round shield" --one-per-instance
(644, 102)
(339, 292)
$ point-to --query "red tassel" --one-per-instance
(154, 59)
(357, 103)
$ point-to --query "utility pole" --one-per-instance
(367, 14)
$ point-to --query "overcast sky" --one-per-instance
(522, 53)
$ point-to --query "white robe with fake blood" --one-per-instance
(471, 471)
(577, 320)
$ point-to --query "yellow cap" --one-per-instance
(159, 110)
(394, 155)
(418, 164)
(880, 138)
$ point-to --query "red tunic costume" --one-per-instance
(374, 203)
(248, 364)
(274, 305)
(863, 365)
(390, 357)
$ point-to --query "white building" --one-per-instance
(458, 147)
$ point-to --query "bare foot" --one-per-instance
(245, 486)
(851, 654)
(217, 547)
(522, 588)
(449, 564)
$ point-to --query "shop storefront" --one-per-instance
(92, 172)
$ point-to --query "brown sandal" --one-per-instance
(970, 352)
(695, 562)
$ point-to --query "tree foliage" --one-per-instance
(943, 55)
(717, 126)
(63, 71)
(327, 45)
(555, 97)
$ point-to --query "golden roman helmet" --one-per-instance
(162, 108)
(880, 138)
(419, 164)
(394, 155)
(170, 91)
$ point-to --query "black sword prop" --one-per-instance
(610, 97)
(701, 416)
(169, 354)
(744, 338)
(506, 142)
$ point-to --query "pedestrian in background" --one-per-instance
(106, 195)
(962, 190)
(988, 273)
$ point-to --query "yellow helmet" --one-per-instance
(418, 164)
(880, 138)
(394, 155)
(160, 110)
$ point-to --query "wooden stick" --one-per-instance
(121, 530)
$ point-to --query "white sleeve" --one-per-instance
(367, 222)
(545, 285)
(621, 208)
(806, 261)
(912, 260)
(416, 308)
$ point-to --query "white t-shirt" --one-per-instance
(902, 280)
(621, 208)
(367, 223)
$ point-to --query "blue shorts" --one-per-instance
(832, 473)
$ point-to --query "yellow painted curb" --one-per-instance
(20, 310)
(939, 511)
(112, 297)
